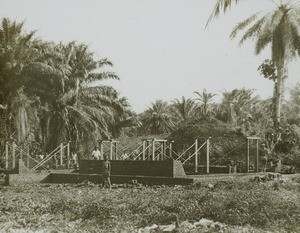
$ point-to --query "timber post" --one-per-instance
(6, 155)
(257, 154)
(116, 150)
(149, 149)
(101, 149)
(207, 155)
(21, 154)
(61, 154)
(144, 151)
(111, 150)
(68, 155)
(153, 149)
(196, 156)
(247, 157)
(28, 156)
(170, 146)
(13, 154)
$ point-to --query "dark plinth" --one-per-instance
(166, 168)
(167, 172)
(115, 179)
(14, 170)
(190, 169)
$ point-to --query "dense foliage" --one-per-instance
(279, 28)
(52, 93)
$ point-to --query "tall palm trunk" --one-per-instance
(77, 88)
(279, 90)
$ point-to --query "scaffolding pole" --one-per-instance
(247, 157)
(256, 160)
(144, 151)
(207, 156)
(68, 156)
(28, 156)
(13, 155)
(6, 155)
(170, 146)
(196, 156)
(116, 150)
(153, 149)
(61, 154)
(111, 151)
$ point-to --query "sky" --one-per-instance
(160, 48)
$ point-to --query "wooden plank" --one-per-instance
(207, 156)
(196, 156)
(247, 157)
(253, 138)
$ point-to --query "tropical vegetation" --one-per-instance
(279, 28)
(52, 93)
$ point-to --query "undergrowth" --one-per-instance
(272, 205)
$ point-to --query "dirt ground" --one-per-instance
(30, 206)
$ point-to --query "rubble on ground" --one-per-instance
(266, 177)
(203, 225)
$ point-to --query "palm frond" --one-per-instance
(295, 39)
(101, 76)
(263, 40)
(221, 6)
(243, 24)
(25, 39)
(93, 117)
(254, 31)
(104, 62)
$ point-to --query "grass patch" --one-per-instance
(274, 206)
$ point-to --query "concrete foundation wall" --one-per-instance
(190, 169)
(15, 170)
(115, 179)
(166, 168)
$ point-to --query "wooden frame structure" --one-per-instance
(14, 152)
(196, 153)
(156, 149)
(148, 149)
(61, 151)
(111, 146)
(249, 139)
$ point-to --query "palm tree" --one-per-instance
(72, 109)
(205, 98)
(123, 118)
(183, 110)
(54, 90)
(221, 6)
(115, 111)
(16, 52)
(280, 29)
(236, 106)
(157, 119)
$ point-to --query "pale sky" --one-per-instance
(159, 48)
